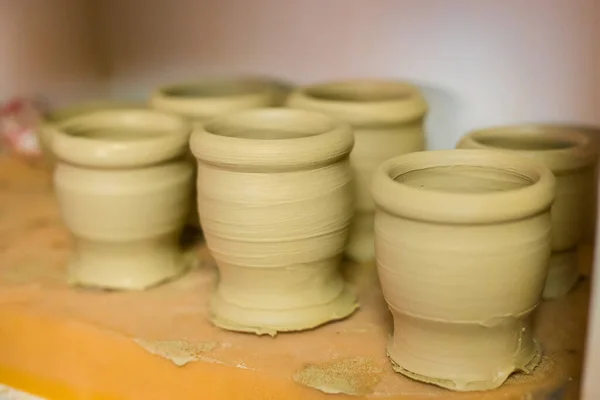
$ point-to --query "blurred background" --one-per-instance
(479, 63)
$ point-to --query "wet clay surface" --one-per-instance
(160, 342)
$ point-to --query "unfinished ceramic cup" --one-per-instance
(199, 101)
(123, 188)
(387, 119)
(54, 118)
(462, 243)
(593, 133)
(572, 156)
(275, 203)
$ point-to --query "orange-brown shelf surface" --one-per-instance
(69, 343)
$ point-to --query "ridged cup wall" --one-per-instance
(387, 118)
(275, 203)
(200, 100)
(463, 239)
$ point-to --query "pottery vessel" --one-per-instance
(592, 208)
(199, 101)
(462, 247)
(275, 204)
(52, 119)
(123, 187)
(387, 120)
(593, 133)
(572, 157)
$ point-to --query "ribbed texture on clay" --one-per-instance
(387, 118)
(275, 203)
(462, 287)
(572, 157)
(199, 101)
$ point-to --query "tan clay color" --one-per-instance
(52, 119)
(571, 156)
(124, 192)
(201, 100)
(593, 133)
(275, 203)
(387, 119)
(592, 208)
(462, 244)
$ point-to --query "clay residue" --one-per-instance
(353, 376)
(180, 352)
(543, 369)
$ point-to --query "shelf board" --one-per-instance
(64, 343)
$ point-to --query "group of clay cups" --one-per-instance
(465, 241)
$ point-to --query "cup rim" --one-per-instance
(71, 111)
(325, 142)
(393, 101)
(170, 142)
(437, 206)
(579, 152)
(260, 93)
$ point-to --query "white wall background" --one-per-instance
(479, 62)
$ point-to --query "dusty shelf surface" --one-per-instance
(67, 343)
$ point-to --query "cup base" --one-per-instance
(463, 356)
(128, 283)
(127, 266)
(563, 274)
(498, 380)
(232, 317)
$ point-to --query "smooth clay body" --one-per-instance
(199, 101)
(387, 120)
(572, 157)
(124, 191)
(275, 203)
(462, 243)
